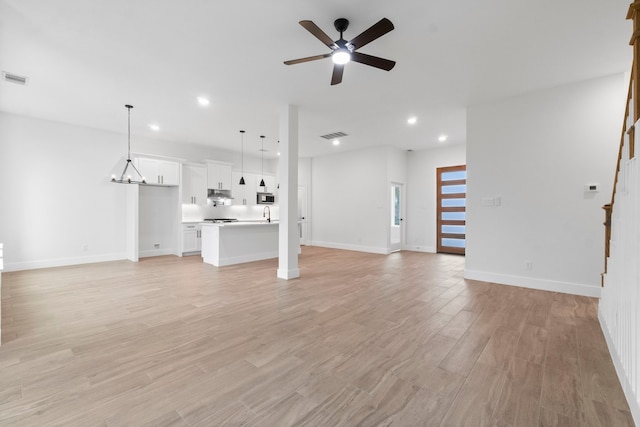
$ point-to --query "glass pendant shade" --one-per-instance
(242, 180)
(262, 183)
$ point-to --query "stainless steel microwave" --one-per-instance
(266, 198)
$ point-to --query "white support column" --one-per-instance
(132, 212)
(289, 239)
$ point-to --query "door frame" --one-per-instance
(439, 210)
(400, 245)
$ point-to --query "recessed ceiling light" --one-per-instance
(442, 138)
(336, 142)
(412, 120)
(278, 153)
(154, 127)
(203, 101)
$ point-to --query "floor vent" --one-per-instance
(333, 135)
(14, 78)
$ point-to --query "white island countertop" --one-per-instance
(228, 243)
(240, 223)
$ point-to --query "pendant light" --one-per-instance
(262, 154)
(128, 180)
(242, 158)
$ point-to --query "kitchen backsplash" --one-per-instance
(194, 213)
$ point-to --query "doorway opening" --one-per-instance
(395, 225)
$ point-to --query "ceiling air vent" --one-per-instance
(14, 78)
(333, 135)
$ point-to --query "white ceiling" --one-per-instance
(85, 59)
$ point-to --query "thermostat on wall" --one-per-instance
(591, 188)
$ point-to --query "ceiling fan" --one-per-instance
(343, 51)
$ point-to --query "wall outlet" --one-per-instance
(157, 245)
(592, 188)
(85, 247)
(528, 264)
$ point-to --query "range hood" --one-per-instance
(218, 195)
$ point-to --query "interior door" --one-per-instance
(303, 214)
(451, 211)
(396, 220)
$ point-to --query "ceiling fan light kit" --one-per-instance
(342, 51)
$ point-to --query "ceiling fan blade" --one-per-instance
(336, 77)
(307, 59)
(378, 29)
(320, 35)
(374, 61)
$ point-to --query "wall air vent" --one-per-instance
(334, 135)
(14, 78)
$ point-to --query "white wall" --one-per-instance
(158, 221)
(200, 153)
(536, 152)
(55, 194)
(350, 198)
(421, 193)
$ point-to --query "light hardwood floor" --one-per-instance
(359, 339)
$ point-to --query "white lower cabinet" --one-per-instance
(191, 238)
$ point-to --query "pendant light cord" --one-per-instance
(129, 107)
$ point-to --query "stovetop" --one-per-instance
(221, 219)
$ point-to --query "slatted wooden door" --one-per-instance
(452, 202)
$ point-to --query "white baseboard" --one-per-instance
(541, 284)
(358, 248)
(288, 274)
(247, 258)
(419, 248)
(156, 252)
(61, 262)
(632, 400)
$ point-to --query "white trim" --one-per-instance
(420, 248)
(634, 405)
(63, 262)
(288, 274)
(156, 252)
(247, 258)
(348, 247)
(533, 283)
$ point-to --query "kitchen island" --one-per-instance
(231, 243)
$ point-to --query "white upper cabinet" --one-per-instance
(219, 175)
(158, 171)
(270, 184)
(194, 184)
(243, 194)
